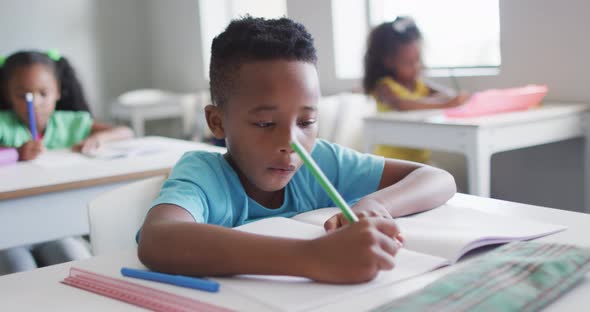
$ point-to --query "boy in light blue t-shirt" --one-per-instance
(265, 89)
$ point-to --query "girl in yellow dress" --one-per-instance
(393, 67)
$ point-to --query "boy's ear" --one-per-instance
(214, 116)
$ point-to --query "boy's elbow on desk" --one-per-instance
(156, 243)
(445, 186)
(148, 252)
(429, 188)
(161, 251)
(449, 181)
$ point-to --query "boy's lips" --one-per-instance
(282, 169)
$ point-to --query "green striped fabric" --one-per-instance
(520, 276)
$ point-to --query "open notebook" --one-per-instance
(112, 150)
(124, 149)
(434, 239)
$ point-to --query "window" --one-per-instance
(349, 19)
(216, 15)
(457, 33)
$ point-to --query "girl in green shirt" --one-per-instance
(62, 120)
(53, 83)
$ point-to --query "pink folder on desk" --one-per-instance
(495, 101)
(8, 156)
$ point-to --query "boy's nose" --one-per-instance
(285, 141)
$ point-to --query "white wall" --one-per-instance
(175, 45)
(118, 45)
(104, 40)
(66, 25)
(543, 41)
(122, 47)
(318, 22)
(175, 42)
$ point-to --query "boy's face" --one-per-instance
(40, 81)
(271, 103)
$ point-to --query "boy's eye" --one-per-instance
(306, 123)
(264, 124)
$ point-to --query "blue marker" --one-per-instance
(32, 120)
(178, 280)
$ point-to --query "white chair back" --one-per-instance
(116, 215)
(143, 97)
(341, 118)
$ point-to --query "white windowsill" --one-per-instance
(443, 72)
(463, 72)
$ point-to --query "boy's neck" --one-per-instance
(270, 200)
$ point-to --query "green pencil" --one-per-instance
(324, 182)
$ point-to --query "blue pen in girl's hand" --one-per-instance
(178, 280)
(32, 120)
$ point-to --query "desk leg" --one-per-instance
(369, 142)
(478, 170)
(586, 123)
(137, 123)
(369, 147)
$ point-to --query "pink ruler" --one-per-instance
(149, 298)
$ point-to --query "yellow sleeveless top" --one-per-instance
(411, 154)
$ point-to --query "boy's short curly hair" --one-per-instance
(255, 39)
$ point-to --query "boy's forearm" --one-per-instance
(422, 189)
(209, 250)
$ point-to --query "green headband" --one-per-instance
(53, 54)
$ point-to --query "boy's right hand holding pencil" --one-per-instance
(357, 252)
(354, 253)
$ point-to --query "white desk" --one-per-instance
(139, 114)
(142, 105)
(44, 203)
(479, 138)
(40, 289)
(586, 123)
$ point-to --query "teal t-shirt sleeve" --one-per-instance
(180, 189)
(355, 175)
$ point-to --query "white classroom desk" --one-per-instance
(41, 290)
(39, 203)
(479, 138)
